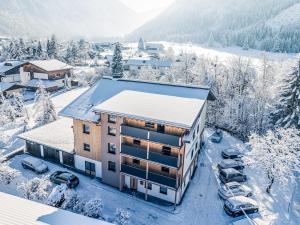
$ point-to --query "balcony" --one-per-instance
(161, 179)
(154, 136)
(134, 171)
(134, 151)
(163, 159)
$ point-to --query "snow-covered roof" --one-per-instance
(5, 86)
(82, 107)
(34, 83)
(58, 135)
(153, 107)
(16, 210)
(8, 65)
(51, 65)
(140, 61)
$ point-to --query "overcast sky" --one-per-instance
(146, 5)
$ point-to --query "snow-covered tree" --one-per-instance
(7, 174)
(141, 45)
(72, 201)
(7, 111)
(43, 107)
(39, 51)
(37, 189)
(117, 64)
(287, 113)
(57, 196)
(122, 217)
(52, 47)
(211, 40)
(93, 208)
(276, 155)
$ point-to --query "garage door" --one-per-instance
(68, 159)
(51, 154)
(33, 148)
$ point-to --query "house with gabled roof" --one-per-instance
(141, 137)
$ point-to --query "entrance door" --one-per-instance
(90, 168)
(133, 183)
(160, 128)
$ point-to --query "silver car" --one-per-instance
(34, 164)
(231, 189)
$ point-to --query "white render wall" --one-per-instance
(42, 76)
(11, 78)
(80, 164)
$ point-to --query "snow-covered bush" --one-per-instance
(57, 196)
(7, 174)
(122, 217)
(72, 200)
(37, 189)
(276, 154)
(93, 208)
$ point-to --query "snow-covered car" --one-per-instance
(231, 153)
(64, 177)
(232, 189)
(34, 164)
(230, 175)
(238, 205)
(217, 136)
(230, 163)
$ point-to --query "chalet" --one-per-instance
(149, 63)
(10, 71)
(53, 72)
(137, 136)
(153, 47)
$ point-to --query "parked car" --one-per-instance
(64, 177)
(217, 136)
(230, 175)
(236, 206)
(230, 163)
(231, 153)
(34, 164)
(232, 189)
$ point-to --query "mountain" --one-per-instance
(66, 18)
(272, 25)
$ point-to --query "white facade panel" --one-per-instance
(80, 164)
(42, 76)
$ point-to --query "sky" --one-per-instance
(141, 6)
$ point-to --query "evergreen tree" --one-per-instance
(141, 45)
(117, 64)
(287, 113)
(39, 50)
(52, 47)
(246, 44)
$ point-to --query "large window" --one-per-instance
(112, 119)
(90, 168)
(112, 131)
(86, 129)
(163, 190)
(112, 148)
(86, 147)
(111, 166)
(148, 186)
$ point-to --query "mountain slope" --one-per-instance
(66, 18)
(228, 22)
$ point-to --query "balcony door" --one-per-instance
(160, 128)
(133, 183)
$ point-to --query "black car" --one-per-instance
(230, 175)
(238, 205)
(63, 177)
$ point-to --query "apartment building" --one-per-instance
(139, 136)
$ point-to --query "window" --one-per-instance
(136, 142)
(136, 161)
(111, 166)
(86, 147)
(163, 190)
(112, 148)
(165, 169)
(90, 168)
(142, 182)
(194, 135)
(112, 119)
(148, 186)
(86, 129)
(192, 153)
(198, 128)
(112, 131)
(166, 150)
(149, 125)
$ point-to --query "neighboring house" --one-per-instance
(8, 89)
(152, 47)
(16, 210)
(138, 136)
(10, 71)
(54, 71)
(148, 63)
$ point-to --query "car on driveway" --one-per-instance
(64, 177)
(217, 136)
(230, 175)
(231, 153)
(238, 205)
(232, 189)
(230, 163)
(34, 164)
